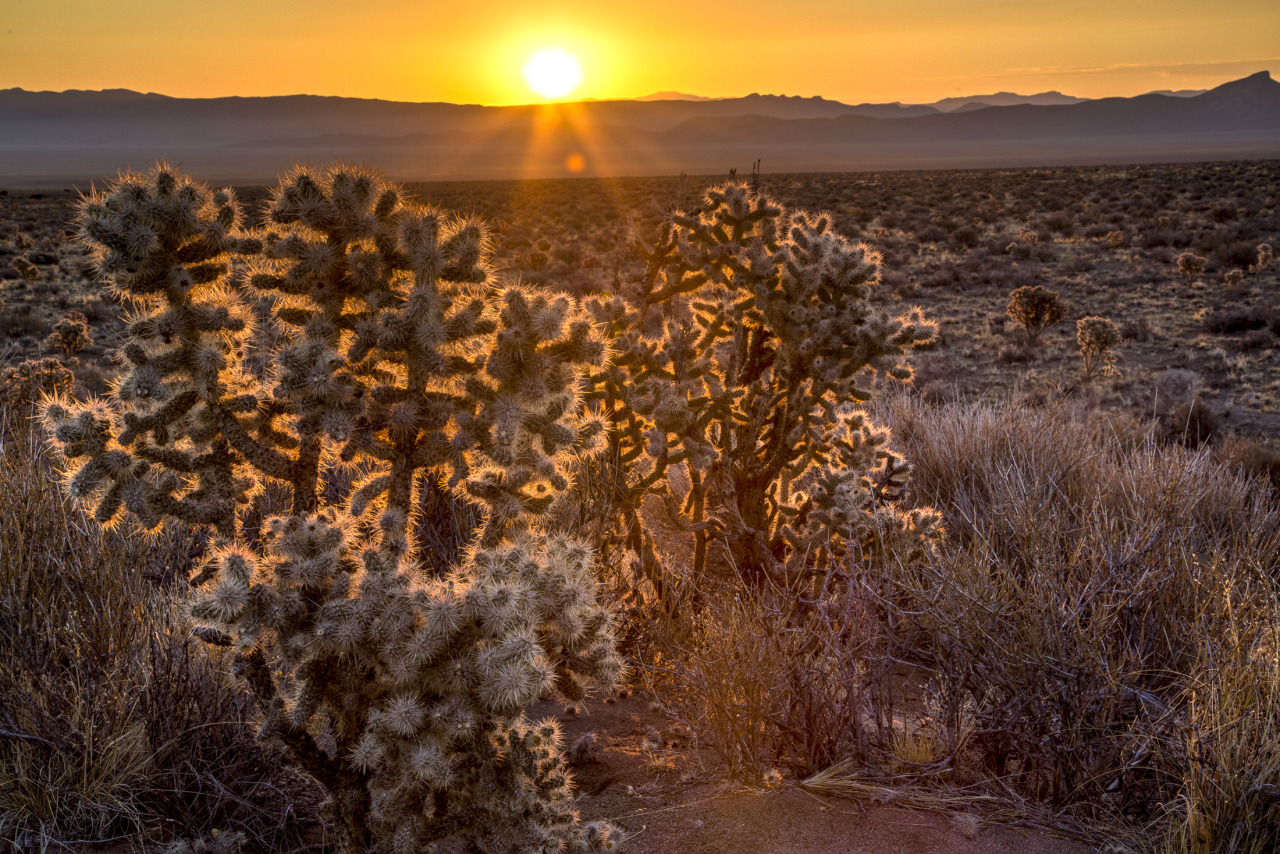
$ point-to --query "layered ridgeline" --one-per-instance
(49, 138)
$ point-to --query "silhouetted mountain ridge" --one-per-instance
(86, 134)
(1005, 99)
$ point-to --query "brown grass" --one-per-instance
(116, 725)
(1083, 652)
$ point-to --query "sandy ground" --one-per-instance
(650, 786)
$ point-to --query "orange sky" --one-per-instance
(472, 51)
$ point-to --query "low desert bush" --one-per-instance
(1055, 646)
(22, 385)
(768, 679)
(1228, 798)
(1252, 456)
(1241, 319)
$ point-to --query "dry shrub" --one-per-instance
(1059, 649)
(22, 385)
(1230, 799)
(1192, 423)
(766, 680)
(114, 723)
(724, 677)
(1087, 581)
(1253, 457)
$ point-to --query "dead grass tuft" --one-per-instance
(115, 724)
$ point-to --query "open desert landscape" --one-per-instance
(1021, 453)
(492, 461)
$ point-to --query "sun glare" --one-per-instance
(553, 73)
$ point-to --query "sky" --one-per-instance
(472, 51)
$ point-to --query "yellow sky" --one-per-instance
(472, 51)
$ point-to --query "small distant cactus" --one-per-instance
(28, 271)
(1233, 278)
(398, 361)
(27, 383)
(1115, 239)
(70, 335)
(1097, 337)
(1190, 266)
(1036, 308)
(1264, 257)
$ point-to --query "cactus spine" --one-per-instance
(398, 363)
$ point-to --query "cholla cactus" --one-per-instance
(1097, 336)
(398, 359)
(767, 331)
(1264, 257)
(28, 271)
(1190, 266)
(70, 335)
(26, 383)
(1036, 308)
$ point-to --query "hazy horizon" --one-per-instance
(917, 52)
(658, 95)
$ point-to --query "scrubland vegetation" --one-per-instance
(1035, 583)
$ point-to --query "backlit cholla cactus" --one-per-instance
(398, 361)
(1264, 258)
(844, 508)
(1190, 265)
(1036, 308)
(23, 385)
(70, 335)
(736, 409)
(1097, 336)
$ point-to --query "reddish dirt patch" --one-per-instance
(651, 786)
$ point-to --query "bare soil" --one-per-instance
(639, 772)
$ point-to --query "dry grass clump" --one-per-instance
(115, 724)
(1092, 609)
(766, 680)
(1230, 795)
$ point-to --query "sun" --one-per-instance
(553, 73)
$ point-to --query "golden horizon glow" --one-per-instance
(913, 51)
(553, 72)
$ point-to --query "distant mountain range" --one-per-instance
(52, 138)
(947, 105)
